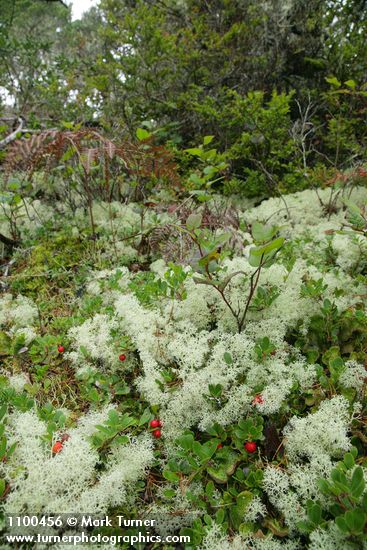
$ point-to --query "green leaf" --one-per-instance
(107, 430)
(198, 450)
(142, 134)
(186, 441)
(333, 81)
(208, 170)
(305, 526)
(67, 125)
(323, 485)
(269, 247)
(126, 421)
(171, 476)
(357, 483)
(227, 358)
(195, 151)
(2, 487)
(341, 524)
(121, 440)
(3, 410)
(243, 499)
(145, 417)
(315, 513)
(262, 254)
(359, 520)
(207, 140)
(348, 460)
(238, 511)
(340, 480)
(3, 442)
(5, 344)
(169, 493)
(207, 519)
(222, 239)
(355, 520)
(202, 196)
(226, 468)
(209, 489)
(220, 515)
(337, 363)
(262, 233)
(121, 389)
(93, 395)
(351, 84)
(209, 448)
(219, 474)
(193, 221)
(113, 416)
(215, 390)
(354, 452)
(69, 153)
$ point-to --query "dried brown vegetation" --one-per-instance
(89, 148)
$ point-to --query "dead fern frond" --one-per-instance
(49, 148)
(170, 243)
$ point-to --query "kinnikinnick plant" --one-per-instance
(348, 502)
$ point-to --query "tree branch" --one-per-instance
(20, 130)
(11, 137)
(8, 242)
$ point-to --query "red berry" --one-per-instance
(250, 446)
(60, 349)
(219, 446)
(258, 400)
(155, 423)
(57, 447)
(122, 357)
(157, 434)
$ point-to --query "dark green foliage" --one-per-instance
(347, 330)
(345, 489)
(280, 90)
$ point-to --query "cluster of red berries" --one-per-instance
(58, 446)
(156, 424)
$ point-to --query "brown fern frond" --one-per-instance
(22, 152)
(160, 235)
(219, 216)
(48, 148)
(171, 243)
(87, 158)
(110, 149)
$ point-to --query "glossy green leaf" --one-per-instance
(142, 134)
